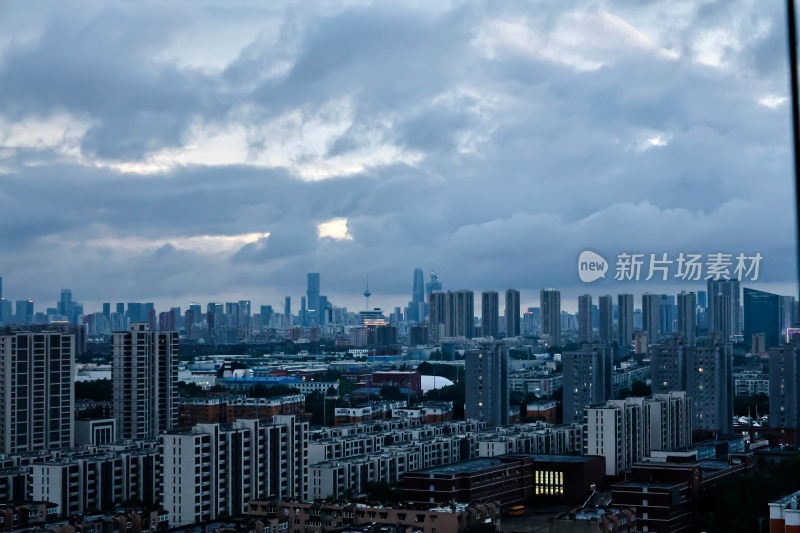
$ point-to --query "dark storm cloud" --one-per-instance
(511, 145)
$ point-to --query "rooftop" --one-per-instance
(544, 458)
(475, 465)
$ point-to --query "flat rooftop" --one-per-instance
(648, 484)
(544, 458)
(464, 467)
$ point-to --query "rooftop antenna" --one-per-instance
(367, 292)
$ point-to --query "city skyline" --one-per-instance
(390, 301)
(303, 153)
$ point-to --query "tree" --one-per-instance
(99, 390)
(739, 503)
(516, 397)
(322, 411)
(189, 390)
(640, 388)
(451, 393)
(435, 355)
(432, 369)
(383, 492)
(346, 386)
(482, 528)
(392, 392)
(516, 353)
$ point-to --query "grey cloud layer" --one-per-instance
(527, 147)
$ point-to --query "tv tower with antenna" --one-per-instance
(367, 292)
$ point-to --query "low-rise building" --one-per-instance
(625, 431)
(750, 383)
(364, 413)
(542, 383)
(426, 413)
(95, 432)
(317, 518)
(784, 514)
(535, 437)
(509, 480)
(26, 515)
(229, 408)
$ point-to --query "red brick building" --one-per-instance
(403, 379)
(226, 409)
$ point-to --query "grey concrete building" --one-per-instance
(784, 389)
(550, 304)
(585, 330)
(587, 380)
(687, 317)
(512, 313)
(37, 391)
(605, 329)
(490, 314)
(625, 319)
(486, 373)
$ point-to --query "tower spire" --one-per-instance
(367, 292)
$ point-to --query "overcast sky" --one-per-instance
(190, 151)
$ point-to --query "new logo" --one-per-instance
(591, 266)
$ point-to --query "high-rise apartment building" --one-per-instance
(784, 390)
(618, 431)
(490, 314)
(145, 381)
(762, 314)
(687, 317)
(626, 431)
(486, 373)
(550, 304)
(709, 383)
(437, 315)
(585, 330)
(37, 391)
(512, 314)
(605, 324)
(212, 470)
(460, 314)
(625, 319)
(724, 308)
(587, 380)
(671, 421)
(705, 372)
(668, 365)
(651, 316)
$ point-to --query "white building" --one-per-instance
(212, 470)
(625, 431)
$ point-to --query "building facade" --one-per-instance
(145, 381)
(37, 391)
(486, 373)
